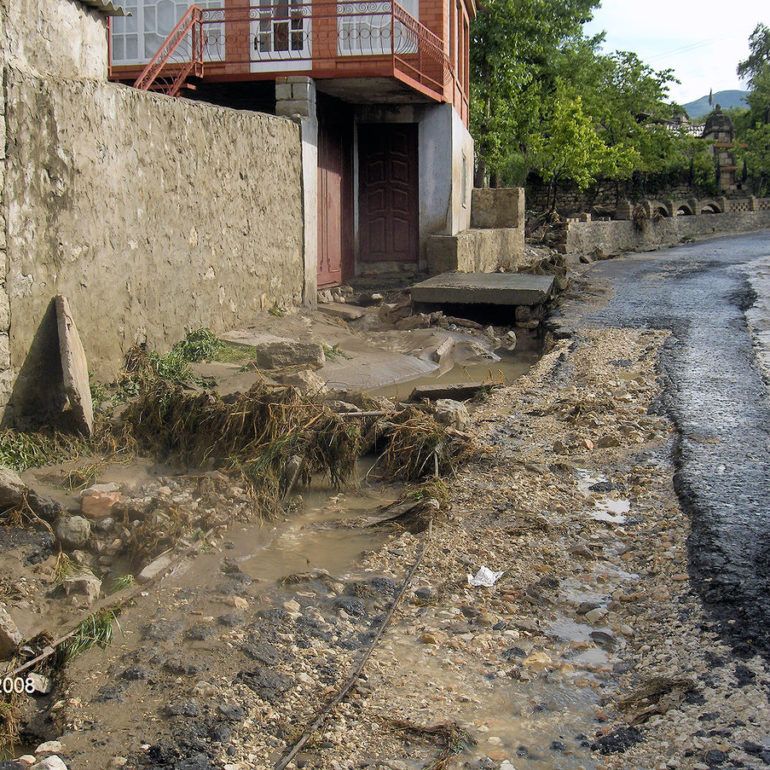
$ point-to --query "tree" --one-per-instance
(513, 46)
(759, 53)
(573, 149)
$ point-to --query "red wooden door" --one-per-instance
(388, 193)
(335, 221)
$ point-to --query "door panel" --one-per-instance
(388, 193)
(335, 226)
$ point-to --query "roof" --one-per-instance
(107, 7)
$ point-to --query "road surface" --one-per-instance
(714, 297)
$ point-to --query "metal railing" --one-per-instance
(280, 36)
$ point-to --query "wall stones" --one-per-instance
(151, 214)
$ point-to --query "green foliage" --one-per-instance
(544, 98)
(572, 148)
(512, 45)
(21, 451)
(755, 152)
(759, 54)
(198, 345)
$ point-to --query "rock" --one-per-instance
(85, 584)
(74, 368)
(292, 606)
(49, 747)
(50, 763)
(282, 354)
(266, 683)
(306, 382)
(10, 637)
(539, 661)
(424, 594)
(452, 413)
(237, 601)
(12, 489)
(97, 501)
(42, 684)
(27, 760)
(73, 531)
(154, 568)
(586, 607)
(605, 442)
(509, 341)
(596, 614)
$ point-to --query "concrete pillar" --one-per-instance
(753, 203)
(295, 98)
(624, 210)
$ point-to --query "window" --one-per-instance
(137, 38)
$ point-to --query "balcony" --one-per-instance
(344, 42)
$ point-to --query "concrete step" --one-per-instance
(512, 289)
(476, 250)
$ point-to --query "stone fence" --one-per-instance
(664, 223)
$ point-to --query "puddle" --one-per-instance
(610, 511)
(315, 537)
(517, 719)
(510, 367)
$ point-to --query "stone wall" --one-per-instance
(150, 214)
(605, 239)
(55, 37)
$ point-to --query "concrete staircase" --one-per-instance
(494, 240)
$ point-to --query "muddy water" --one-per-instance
(516, 719)
(317, 536)
(510, 367)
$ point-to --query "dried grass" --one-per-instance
(417, 446)
(255, 434)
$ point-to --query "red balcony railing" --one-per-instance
(345, 39)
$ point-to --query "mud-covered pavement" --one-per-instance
(716, 396)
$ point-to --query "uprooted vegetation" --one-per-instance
(237, 457)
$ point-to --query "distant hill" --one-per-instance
(726, 99)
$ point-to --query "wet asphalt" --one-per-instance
(715, 394)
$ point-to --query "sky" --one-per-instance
(702, 40)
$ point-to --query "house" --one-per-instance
(381, 90)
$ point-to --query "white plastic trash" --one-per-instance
(484, 577)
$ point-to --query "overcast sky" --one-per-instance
(702, 40)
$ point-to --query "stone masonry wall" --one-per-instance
(60, 37)
(615, 237)
(151, 214)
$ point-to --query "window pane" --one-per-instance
(132, 47)
(149, 19)
(118, 49)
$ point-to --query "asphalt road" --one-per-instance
(716, 395)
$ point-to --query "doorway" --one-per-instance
(388, 193)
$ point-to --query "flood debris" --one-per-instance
(254, 433)
(418, 446)
(458, 391)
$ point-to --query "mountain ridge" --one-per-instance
(727, 100)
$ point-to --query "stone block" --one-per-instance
(5, 310)
(10, 637)
(5, 352)
(304, 91)
(497, 207)
(283, 91)
(291, 107)
(74, 367)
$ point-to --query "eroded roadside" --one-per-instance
(591, 650)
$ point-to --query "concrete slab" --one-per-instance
(340, 310)
(74, 367)
(484, 289)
